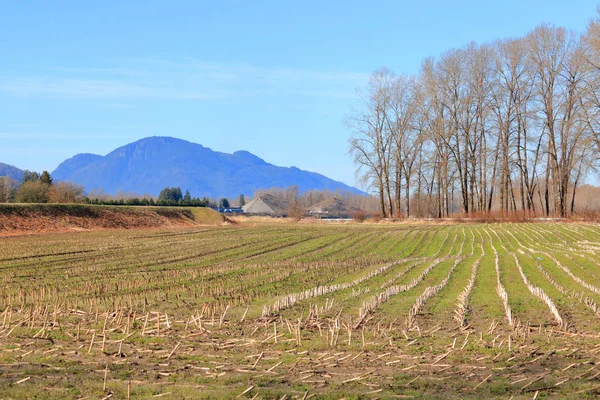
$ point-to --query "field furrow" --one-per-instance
(298, 309)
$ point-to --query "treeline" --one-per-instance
(41, 188)
(299, 202)
(172, 196)
(146, 201)
(38, 188)
(512, 126)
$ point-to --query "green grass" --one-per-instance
(60, 290)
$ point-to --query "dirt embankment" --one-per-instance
(18, 219)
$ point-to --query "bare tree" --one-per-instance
(401, 126)
(8, 188)
(559, 61)
(371, 142)
(484, 127)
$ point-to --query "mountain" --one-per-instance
(151, 164)
(10, 171)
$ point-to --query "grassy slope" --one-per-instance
(40, 218)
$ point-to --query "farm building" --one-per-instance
(267, 204)
(333, 207)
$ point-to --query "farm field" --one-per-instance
(291, 310)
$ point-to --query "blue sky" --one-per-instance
(272, 77)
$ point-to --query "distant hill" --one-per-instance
(151, 164)
(10, 171)
(333, 207)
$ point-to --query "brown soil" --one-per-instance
(16, 220)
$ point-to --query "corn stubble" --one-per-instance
(274, 310)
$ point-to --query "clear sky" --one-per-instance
(275, 78)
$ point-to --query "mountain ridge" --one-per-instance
(148, 165)
(11, 171)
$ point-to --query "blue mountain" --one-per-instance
(151, 164)
(12, 172)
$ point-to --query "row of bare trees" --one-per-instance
(292, 196)
(512, 126)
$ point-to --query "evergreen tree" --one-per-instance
(170, 196)
(30, 176)
(46, 178)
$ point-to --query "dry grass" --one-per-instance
(19, 219)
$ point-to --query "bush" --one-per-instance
(295, 211)
(33, 192)
(65, 192)
(359, 216)
(170, 196)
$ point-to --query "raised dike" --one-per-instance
(16, 219)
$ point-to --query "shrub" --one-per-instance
(295, 211)
(33, 192)
(359, 216)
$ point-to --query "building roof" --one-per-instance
(267, 204)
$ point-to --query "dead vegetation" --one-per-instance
(43, 218)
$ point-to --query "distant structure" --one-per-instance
(228, 210)
(267, 204)
(333, 207)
